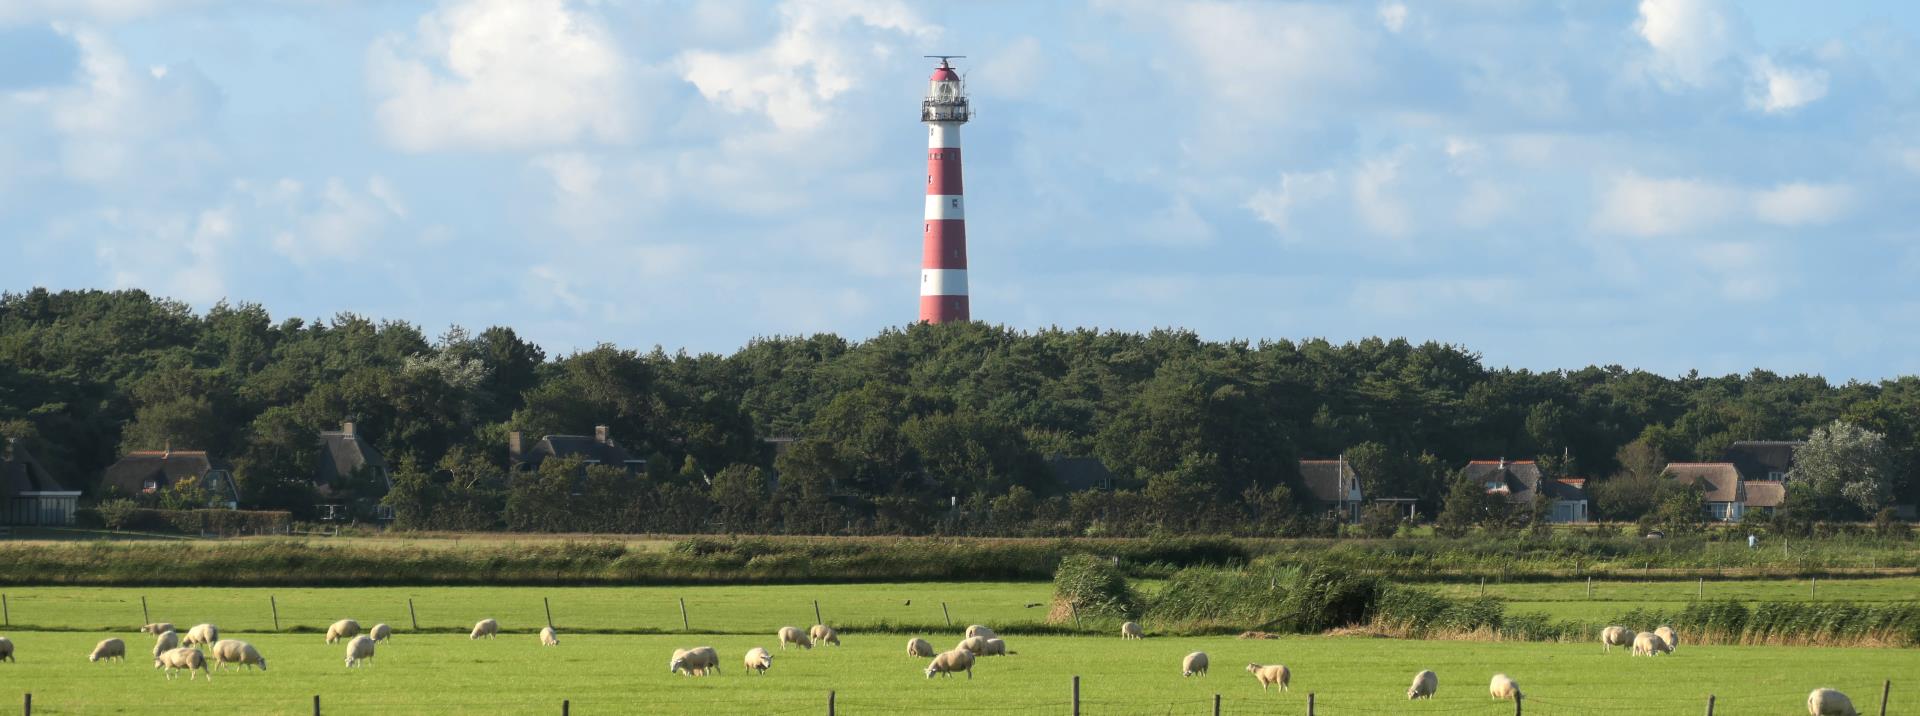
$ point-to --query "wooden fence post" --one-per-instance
(1885, 689)
(1309, 703)
(1076, 696)
(144, 618)
(566, 707)
(316, 705)
(1216, 705)
(684, 625)
(1483, 586)
(829, 703)
(275, 604)
(945, 613)
(549, 606)
(1589, 588)
(6, 612)
(415, 618)
(816, 612)
(1710, 704)
(1516, 704)
(1702, 589)
(29, 705)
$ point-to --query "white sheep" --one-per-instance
(156, 628)
(1271, 674)
(1827, 702)
(1425, 685)
(1131, 630)
(980, 630)
(919, 647)
(698, 661)
(6, 649)
(548, 637)
(167, 641)
(824, 634)
(759, 660)
(485, 627)
(1647, 643)
(380, 632)
(343, 629)
(1503, 688)
(1613, 636)
(948, 662)
(1195, 663)
(360, 651)
(792, 635)
(974, 645)
(233, 651)
(201, 634)
(1666, 634)
(184, 657)
(109, 649)
(994, 647)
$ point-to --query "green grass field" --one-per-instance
(1568, 600)
(625, 674)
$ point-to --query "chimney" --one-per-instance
(168, 453)
(513, 446)
(600, 435)
(1503, 463)
(346, 428)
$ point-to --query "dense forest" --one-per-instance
(916, 429)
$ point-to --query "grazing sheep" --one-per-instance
(6, 649)
(1649, 644)
(485, 627)
(1827, 702)
(980, 630)
(156, 628)
(1131, 630)
(233, 651)
(919, 647)
(343, 629)
(1503, 688)
(948, 662)
(167, 641)
(1666, 634)
(697, 661)
(1613, 636)
(1195, 663)
(995, 647)
(109, 649)
(183, 658)
(1271, 674)
(792, 635)
(1425, 685)
(548, 637)
(381, 632)
(360, 651)
(973, 645)
(201, 634)
(759, 659)
(824, 634)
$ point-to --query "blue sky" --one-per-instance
(1665, 184)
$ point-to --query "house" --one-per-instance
(342, 452)
(1520, 480)
(597, 450)
(1080, 474)
(1719, 483)
(147, 472)
(28, 493)
(1763, 460)
(1333, 484)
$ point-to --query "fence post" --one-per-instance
(684, 625)
(1483, 586)
(1076, 696)
(411, 616)
(1309, 703)
(829, 703)
(1885, 689)
(566, 707)
(945, 613)
(549, 606)
(1216, 705)
(1589, 588)
(1702, 589)
(6, 612)
(144, 619)
(1709, 704)
(1516, 704)
(816, 613)
(29, 705)
(316, 705)
(275, 603)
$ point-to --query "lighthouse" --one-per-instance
(943, 243)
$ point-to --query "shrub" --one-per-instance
(1380, 520)
(1090, 586)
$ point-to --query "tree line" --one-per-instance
(921, 429)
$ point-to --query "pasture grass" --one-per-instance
(606, 674)
(1568, 599)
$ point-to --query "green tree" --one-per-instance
(1846, 468)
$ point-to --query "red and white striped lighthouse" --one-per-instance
(943, 246)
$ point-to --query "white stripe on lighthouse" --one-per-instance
(943, 282)
(943, 135)
(945, 207)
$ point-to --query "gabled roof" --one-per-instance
(1765, 493)
(1758, 458)
(342, 452)
(1520, 480)
(166, 467)
(1328, 481)
(1080, 474)
(585, 448)
(1718, 481)
(19, 472)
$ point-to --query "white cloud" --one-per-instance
(823, 50)
(1276, 205)
(1801, 204)
(336, 222)
(23, 11)
(1643, 206)
(500, 74)
(1394, 16)
(1777, 89)
(177, 254)
(1013, 72)
(1374, 201)
(1268, 57)
(1689, 38)
(1743, 271)
(120, 124)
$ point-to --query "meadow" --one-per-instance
(871, 674)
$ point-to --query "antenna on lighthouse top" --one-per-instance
(943, 58)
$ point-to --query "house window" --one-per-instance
(150, 485)
(1776, 476)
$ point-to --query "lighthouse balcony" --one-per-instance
(937, 111)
